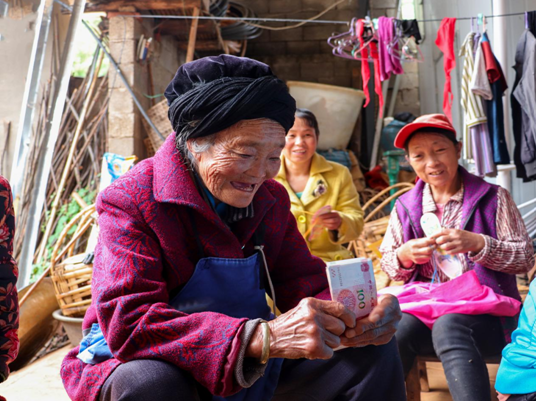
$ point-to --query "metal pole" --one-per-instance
(31, 90)
(394, 95)
(38, 198)
(378, 131)
(500, 46)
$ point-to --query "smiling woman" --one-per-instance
(191, 241)
(322, 195)
(480, 224)
(240, 159)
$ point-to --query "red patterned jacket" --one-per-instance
(9, 304)
(147, 250)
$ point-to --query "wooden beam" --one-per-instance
(181, 29)
(144, 5)
(193, 36)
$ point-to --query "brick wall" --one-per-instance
(126, 131)
(296, 54)
(303, 54)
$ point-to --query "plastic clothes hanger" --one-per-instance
(344, 43)
(411, 51)
(481, 20)
(357, 51)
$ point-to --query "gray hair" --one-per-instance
(199, 145)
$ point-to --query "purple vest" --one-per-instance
(479, 211)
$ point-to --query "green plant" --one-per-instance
(66, 212)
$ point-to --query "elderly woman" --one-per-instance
(481, 225)
(190, 243)
(314, 184)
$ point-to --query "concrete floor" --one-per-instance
(41, 381)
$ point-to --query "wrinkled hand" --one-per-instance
(332, 220)
(459, 241)
(416, 251)
(310, 330)
(378, 327)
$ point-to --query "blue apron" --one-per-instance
(233, 287)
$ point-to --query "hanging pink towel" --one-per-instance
(388, 64)
(464, 295)
(445, 42)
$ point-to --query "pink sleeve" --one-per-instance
(512, 251)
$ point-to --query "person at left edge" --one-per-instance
(190, 243)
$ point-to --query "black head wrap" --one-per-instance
(211, 94)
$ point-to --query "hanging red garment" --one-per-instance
(445, 42)
(493, 68)
(365, 68)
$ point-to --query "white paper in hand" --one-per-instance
(449, 264)
(430, 224)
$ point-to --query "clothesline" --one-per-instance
(245, 19)
(261, 19)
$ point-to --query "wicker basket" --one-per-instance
(70, 275)
(149, 147)
(159, 116)
(368, 243)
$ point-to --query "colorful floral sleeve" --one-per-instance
(9, 305)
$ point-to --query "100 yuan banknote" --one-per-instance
(351, 282)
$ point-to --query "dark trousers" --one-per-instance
(358, 374)
(461, 342)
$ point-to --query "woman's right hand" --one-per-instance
(310, 330)
(416, 251)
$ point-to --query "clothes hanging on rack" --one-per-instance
(365, 68)
(482, 151)
(479, 82)
(495, 111)
(409, 28)
(531, 22)
(388, 63)
(476, 142)
(445, 42)
(524, 106)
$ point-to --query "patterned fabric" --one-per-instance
(472, 105)
(9, 304)
(508, 248)
(147, 252)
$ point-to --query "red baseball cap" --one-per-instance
(427, 121)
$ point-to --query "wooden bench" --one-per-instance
(417, 379)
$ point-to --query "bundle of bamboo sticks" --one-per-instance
(76, 164)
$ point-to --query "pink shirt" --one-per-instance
(439, 211)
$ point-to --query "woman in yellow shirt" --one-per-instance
(314, 183)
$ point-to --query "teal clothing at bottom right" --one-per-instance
(517, 371)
